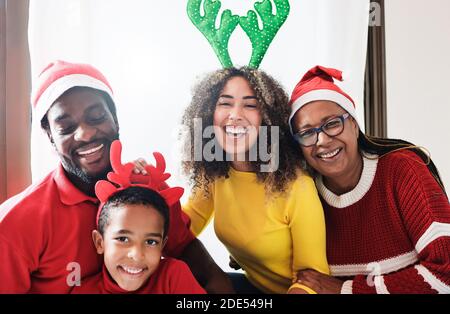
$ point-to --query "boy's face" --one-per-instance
(132, 244)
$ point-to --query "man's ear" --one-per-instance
(45, 125)
(117, 124)
(50, 136)
(98, 242)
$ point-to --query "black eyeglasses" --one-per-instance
(332, 127)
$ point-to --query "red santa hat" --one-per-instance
(318, 84)
(60, 76)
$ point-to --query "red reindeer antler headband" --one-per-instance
(123, 178)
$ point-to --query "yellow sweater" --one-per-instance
(270, 238)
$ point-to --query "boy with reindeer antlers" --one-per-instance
(132, 226)
(45, 230)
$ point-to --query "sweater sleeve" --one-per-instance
(307, 225)
(425, 212)
(200, 209)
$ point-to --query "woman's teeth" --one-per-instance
(90, 151)
(330, 154)
(235, 131)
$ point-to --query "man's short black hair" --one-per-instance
(134, 195)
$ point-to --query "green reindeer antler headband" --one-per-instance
(218, 38)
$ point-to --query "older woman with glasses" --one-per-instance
(386, 211)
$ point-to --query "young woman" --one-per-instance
(386, 211)
(266, 210)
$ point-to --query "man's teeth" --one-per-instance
(132, 270)
(330, 154)
(235, 130)
(91, 151)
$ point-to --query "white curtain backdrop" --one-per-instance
(152, 55)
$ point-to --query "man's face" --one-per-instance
(81, 128)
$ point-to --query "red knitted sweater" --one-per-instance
(391, 233)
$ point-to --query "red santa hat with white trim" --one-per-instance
(318, 84)
(60, 76)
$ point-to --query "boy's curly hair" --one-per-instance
(275, 110)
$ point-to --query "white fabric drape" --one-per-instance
(153, 55)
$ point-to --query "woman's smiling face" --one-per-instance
(333, 156)
(237, 117)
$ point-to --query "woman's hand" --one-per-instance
(322, 284)
(139, 166)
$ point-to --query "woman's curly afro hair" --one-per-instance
(275, 110)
